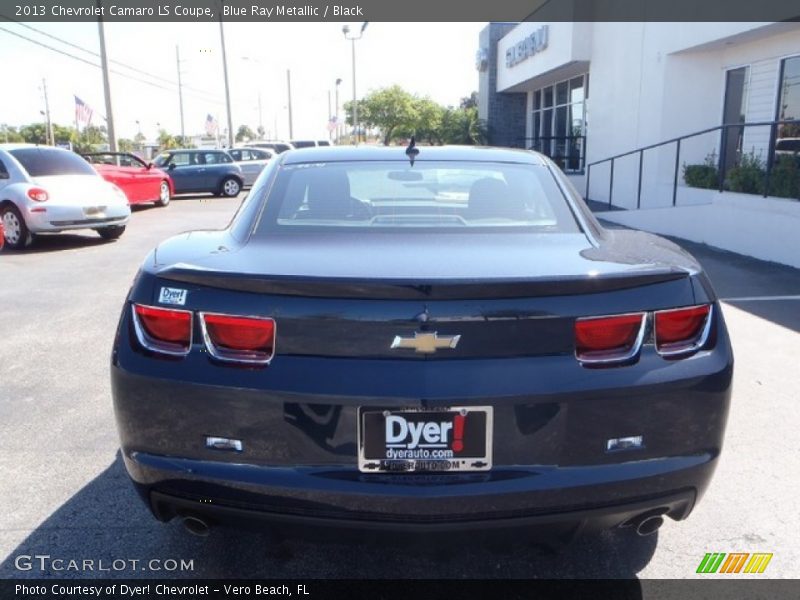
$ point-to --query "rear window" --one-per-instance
(303, 143)
(448, 196)
(44, 162)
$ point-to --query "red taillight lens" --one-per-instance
(163, 329)
(38, 194)
(608, 339)
(681, 330)
(241, 339)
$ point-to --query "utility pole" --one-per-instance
(180, 92)
(338, 126)
(49, 133)
(330, 114)
(353, 38)
(227, 87)
(260, 119)
(289, 90)
(112, 138)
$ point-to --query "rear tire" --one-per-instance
(230, 187)
(17, 235)
(111, 233)
(163, 194)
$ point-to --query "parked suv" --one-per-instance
(202, 170)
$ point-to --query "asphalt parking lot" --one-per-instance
(65, 492)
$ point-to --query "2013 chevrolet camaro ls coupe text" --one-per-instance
(423, 339)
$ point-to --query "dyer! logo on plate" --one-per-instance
(445, 439)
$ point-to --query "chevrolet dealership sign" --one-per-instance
(527, 47)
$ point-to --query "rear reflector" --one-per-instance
(239, 339)
(163, 330)
(609, 339)
(682, 330)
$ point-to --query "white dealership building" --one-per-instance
(583, 92)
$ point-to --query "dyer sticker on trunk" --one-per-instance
(413, 440)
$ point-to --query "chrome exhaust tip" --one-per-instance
(649, 525)
(196, 526)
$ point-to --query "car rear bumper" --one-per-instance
(297, 421)
(62, 218)
(560, 524)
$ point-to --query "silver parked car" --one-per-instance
(47, 190)
(252, 161)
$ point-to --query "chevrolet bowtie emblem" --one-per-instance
(426, 343)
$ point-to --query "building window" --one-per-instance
(559, 122)
(789, 98)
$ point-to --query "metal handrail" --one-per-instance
(581, 155)
(677, 141)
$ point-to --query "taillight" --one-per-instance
(239, 339)
(164, 330)
(609, 339)
(682, 330)
(37, 194)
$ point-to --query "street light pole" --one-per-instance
(112, 138)
(180, 93)
(353, 38)
(227, 87)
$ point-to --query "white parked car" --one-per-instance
(47, 190)
(252, 161)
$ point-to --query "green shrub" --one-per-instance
(700, 176)
(747, 177)
(705, 175)
(784, 179)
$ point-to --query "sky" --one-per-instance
(433, 59)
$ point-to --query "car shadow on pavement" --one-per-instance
(59, 242)
(106, 521)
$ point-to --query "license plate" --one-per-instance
(425, 440)
(95, 211)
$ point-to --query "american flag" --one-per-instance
(332, 122)
(83, 112)
(211, 125)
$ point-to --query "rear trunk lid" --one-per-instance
(502, 295)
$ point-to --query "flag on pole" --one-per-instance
(211, 125)
(83, 112)
(332, 122)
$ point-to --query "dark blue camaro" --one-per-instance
(451, 341)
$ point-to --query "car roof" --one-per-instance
(426, 153)
(18, 146)
(173, 150)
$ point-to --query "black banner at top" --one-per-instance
(398, 10)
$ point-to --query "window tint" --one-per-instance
(43, 162)
(303, 143)
(237, 154)
(430, 195)
(3, 171)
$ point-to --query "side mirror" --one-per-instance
(150, 166)
(171, 166)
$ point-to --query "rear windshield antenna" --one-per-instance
(412, 150)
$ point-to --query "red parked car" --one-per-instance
(140, 180)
